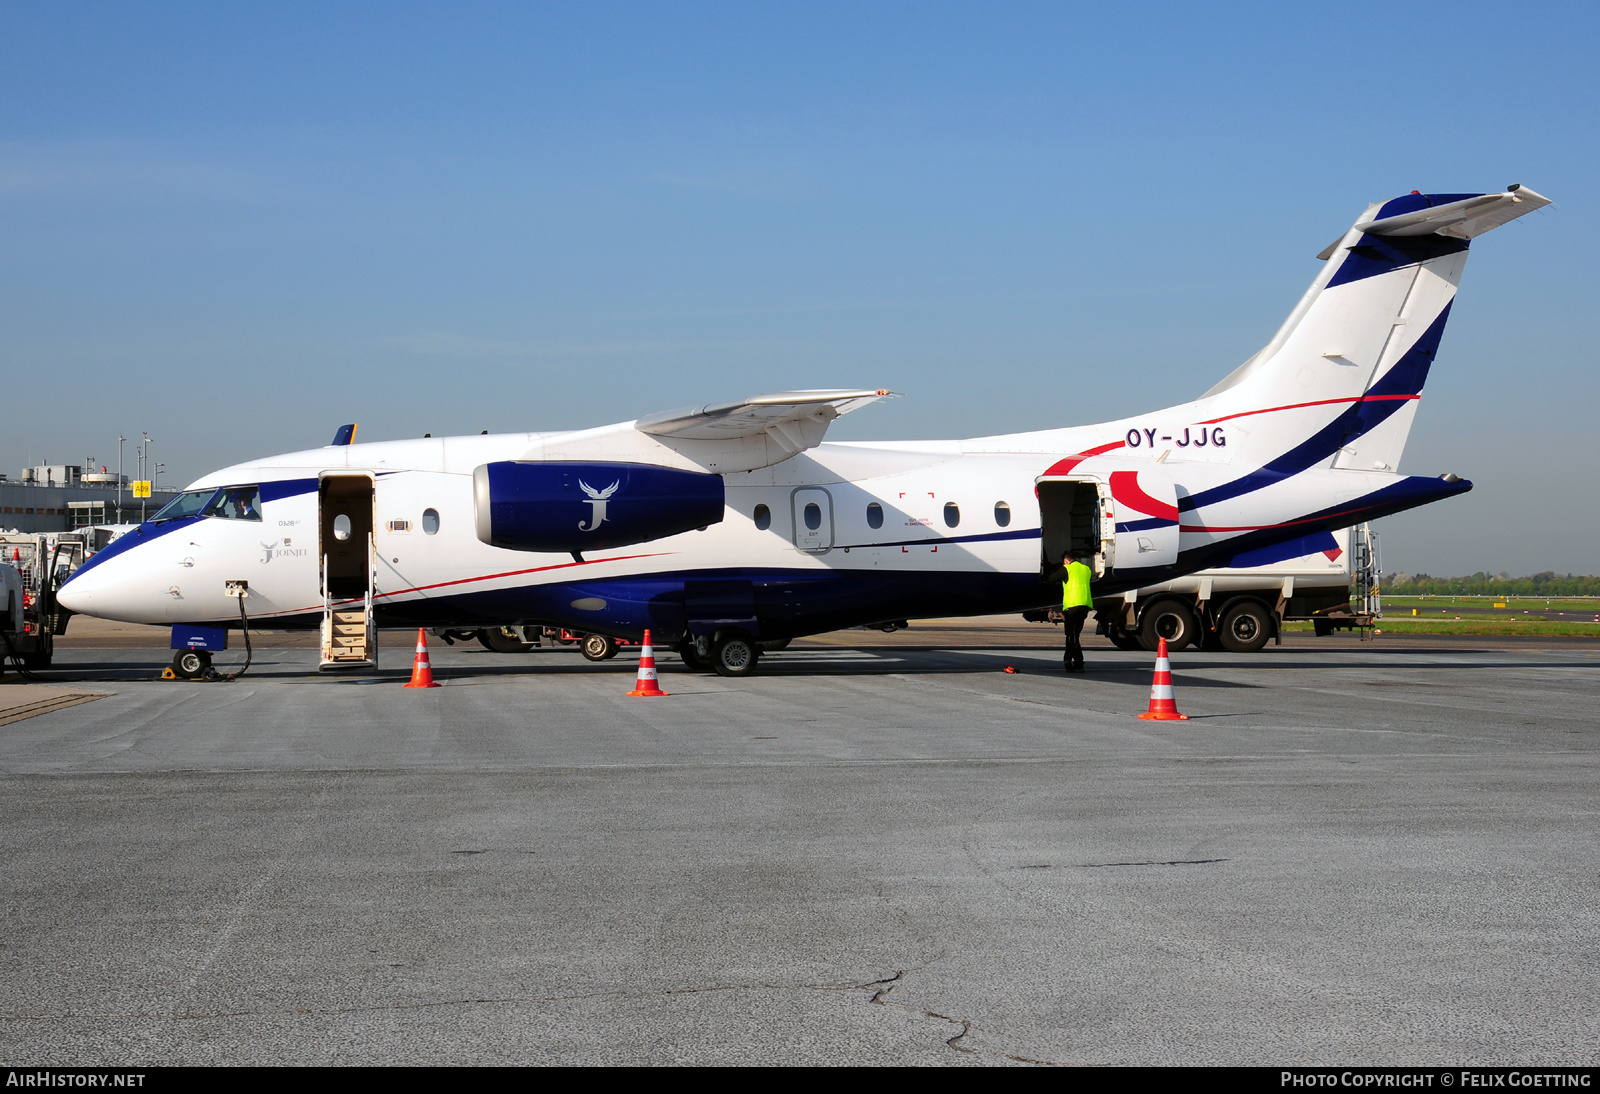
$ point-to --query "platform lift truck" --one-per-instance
(38, 565)
(1240, 610)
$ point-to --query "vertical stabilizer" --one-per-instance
(1347, 367)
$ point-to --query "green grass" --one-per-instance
(1472, 625)
(1434, 603)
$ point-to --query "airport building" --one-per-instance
(61, 497)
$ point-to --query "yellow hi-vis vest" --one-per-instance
(1075, 590)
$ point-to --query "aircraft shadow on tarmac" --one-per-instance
(829, 662)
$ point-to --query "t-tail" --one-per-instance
(1338, 384)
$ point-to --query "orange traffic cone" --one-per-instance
(1163, 708)
(646, 686)
(422, 671)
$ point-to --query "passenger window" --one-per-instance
(1002, 514)
(763, 517)
(813, 515)
(430, 521)
(341, 527)
(952, 514)
(874, 515)
(236, 503)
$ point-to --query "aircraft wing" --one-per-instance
(793, 420)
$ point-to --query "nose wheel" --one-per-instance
(191, 664)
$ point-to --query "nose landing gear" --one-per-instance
(191, 664)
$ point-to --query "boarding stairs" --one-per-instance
(349, 638)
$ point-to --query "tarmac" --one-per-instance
(878, 849)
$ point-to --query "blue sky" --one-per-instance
(236, 227)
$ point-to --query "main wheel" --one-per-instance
(1245, 627)
(191, 664)
(691, 657)
(772, 645)
(735, 655)
(599, 647)
(1169, 619)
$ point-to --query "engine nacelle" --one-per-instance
(561, 506)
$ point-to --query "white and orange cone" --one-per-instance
(1163, 706)
(421, 670)
(646, 686)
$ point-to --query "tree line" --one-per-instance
(1547, 584)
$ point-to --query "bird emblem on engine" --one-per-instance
(597, 505)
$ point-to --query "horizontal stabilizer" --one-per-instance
(1465, 219)
(1461, 219)
(795, 420)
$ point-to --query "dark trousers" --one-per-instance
(1072, 626)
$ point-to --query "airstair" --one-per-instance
(349, 639)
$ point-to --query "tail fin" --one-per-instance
(1349, 363)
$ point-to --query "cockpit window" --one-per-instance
(236, 503)
(185, 505)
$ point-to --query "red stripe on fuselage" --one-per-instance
(469, 580)
(1062, 466)
(1125, 488)
(1317, 402)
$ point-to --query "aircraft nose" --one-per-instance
(78, 595)
(121, 585)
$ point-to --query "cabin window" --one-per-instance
(763, 517)
(1002, 514)
(874, 515)
(952, 514)
(813, 515)
(341, 527)
(430, 521)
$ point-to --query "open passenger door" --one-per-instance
(345, 520)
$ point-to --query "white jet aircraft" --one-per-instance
(724, 526)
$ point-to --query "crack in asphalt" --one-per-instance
(880, 989)
(881, 998)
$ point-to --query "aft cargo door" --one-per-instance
(1072, 518)
(1146, 520)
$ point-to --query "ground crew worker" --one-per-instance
(1074, 576)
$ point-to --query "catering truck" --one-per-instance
(1243, 606)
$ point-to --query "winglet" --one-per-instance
(345, 435)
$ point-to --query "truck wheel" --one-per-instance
(1167, 619)
(1245, 628)
(503, 640)
(599, 647)
(735, 655)
(1123, 640)
(191, 664)
(772, 645)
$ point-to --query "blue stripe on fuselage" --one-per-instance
(1405, 378)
